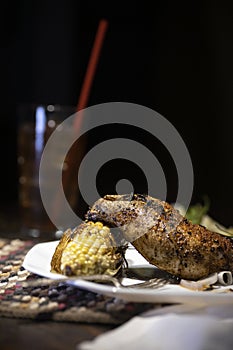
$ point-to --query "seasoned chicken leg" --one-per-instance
(164, 237)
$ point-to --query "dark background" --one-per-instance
(174, 57)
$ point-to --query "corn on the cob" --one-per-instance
(87, 250)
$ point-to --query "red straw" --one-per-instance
(91, 68)
(84, 95)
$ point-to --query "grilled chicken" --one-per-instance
(164, 237)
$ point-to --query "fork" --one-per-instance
(154, 283)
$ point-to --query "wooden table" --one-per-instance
(17, 334)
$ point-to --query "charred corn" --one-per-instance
(89, 249)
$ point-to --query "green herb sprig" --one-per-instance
(196, 212)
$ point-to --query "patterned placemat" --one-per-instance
(58, 302)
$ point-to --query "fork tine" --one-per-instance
(152, 283)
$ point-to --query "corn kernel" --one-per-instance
(88, 249)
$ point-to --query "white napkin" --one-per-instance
(199, 330)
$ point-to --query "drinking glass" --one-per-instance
(36, 123)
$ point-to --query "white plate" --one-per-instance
(38, 261)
